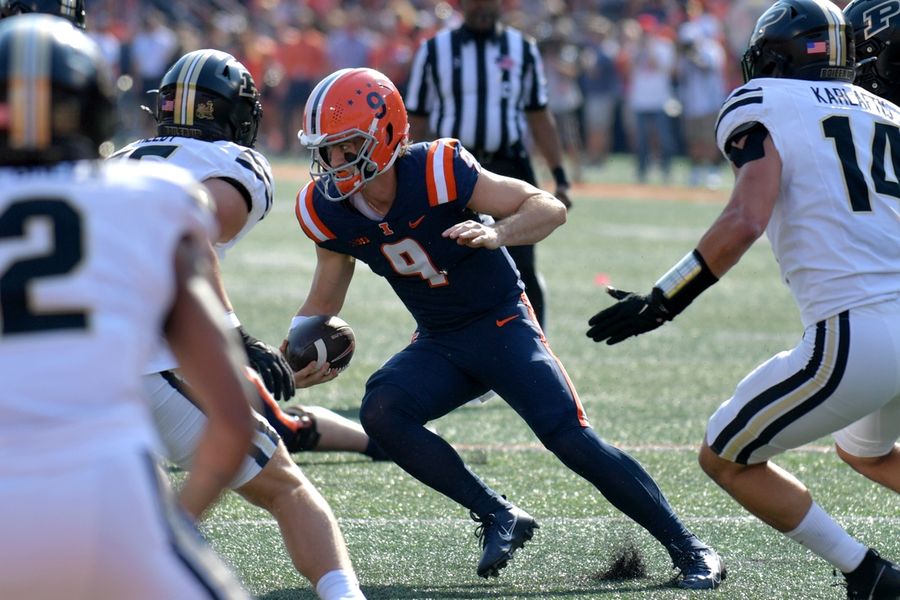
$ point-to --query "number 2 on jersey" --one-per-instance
(838, 129)
(62, 254)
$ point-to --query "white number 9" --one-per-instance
(408, 257)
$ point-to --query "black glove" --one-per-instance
(633, 314)
(271, 366)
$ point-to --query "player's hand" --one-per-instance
(271, 366)
(310, 375)
(633, 314)
(473, 234)
(562, 194)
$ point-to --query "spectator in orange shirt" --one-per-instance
(302, 54)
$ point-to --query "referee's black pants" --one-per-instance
(520, 167)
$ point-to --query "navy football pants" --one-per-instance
(506, 352)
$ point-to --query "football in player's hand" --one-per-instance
(320, 339)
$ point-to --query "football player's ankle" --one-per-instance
(339, 584)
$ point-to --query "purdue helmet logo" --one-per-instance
(776, 14)
(878, 18)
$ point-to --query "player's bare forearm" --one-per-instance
(211, 360)
(527, 214)
(537, 218)
(726, 241)
(202, 488)
(745, 217)
(216, 277)
(330, 283)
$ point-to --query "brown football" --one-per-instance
(321, 339)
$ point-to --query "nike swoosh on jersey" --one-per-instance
(417, 222)
(502, 322)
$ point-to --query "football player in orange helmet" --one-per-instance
(422, 216)
(348, 104)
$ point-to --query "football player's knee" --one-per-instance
(552, 428)
(373, 414)
(278, 478)
(844, 455)
(382, 412)
(712, 464)
(860, 463)
(719, 469)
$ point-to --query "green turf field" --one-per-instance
(650, 395)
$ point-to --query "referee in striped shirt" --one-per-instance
(481, 83)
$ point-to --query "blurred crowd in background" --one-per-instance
(646, 77)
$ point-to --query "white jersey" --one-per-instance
(86, 279)
(835, 229)
(244, 167)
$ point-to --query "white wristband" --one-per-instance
(297, 320)
(232, 320)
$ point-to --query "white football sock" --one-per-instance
(339, 585)
(821, 534)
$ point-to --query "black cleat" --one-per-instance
(874, 579)
(502, 532)
(700, 568)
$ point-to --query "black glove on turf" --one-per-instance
(271, 366)
(632, 315)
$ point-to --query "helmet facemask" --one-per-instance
(352, 175)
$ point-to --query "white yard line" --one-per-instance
(561, 521)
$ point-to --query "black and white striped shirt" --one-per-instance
(476, 88)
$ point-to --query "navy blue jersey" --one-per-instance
(443, 284)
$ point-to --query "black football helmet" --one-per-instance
(876, 30)
(801, 39)
(57, 101)
(73, 10)
(209, 95)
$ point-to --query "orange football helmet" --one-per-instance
(348, 104)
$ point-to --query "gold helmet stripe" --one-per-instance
(186, 89)
(834, 16)
(29, 93)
